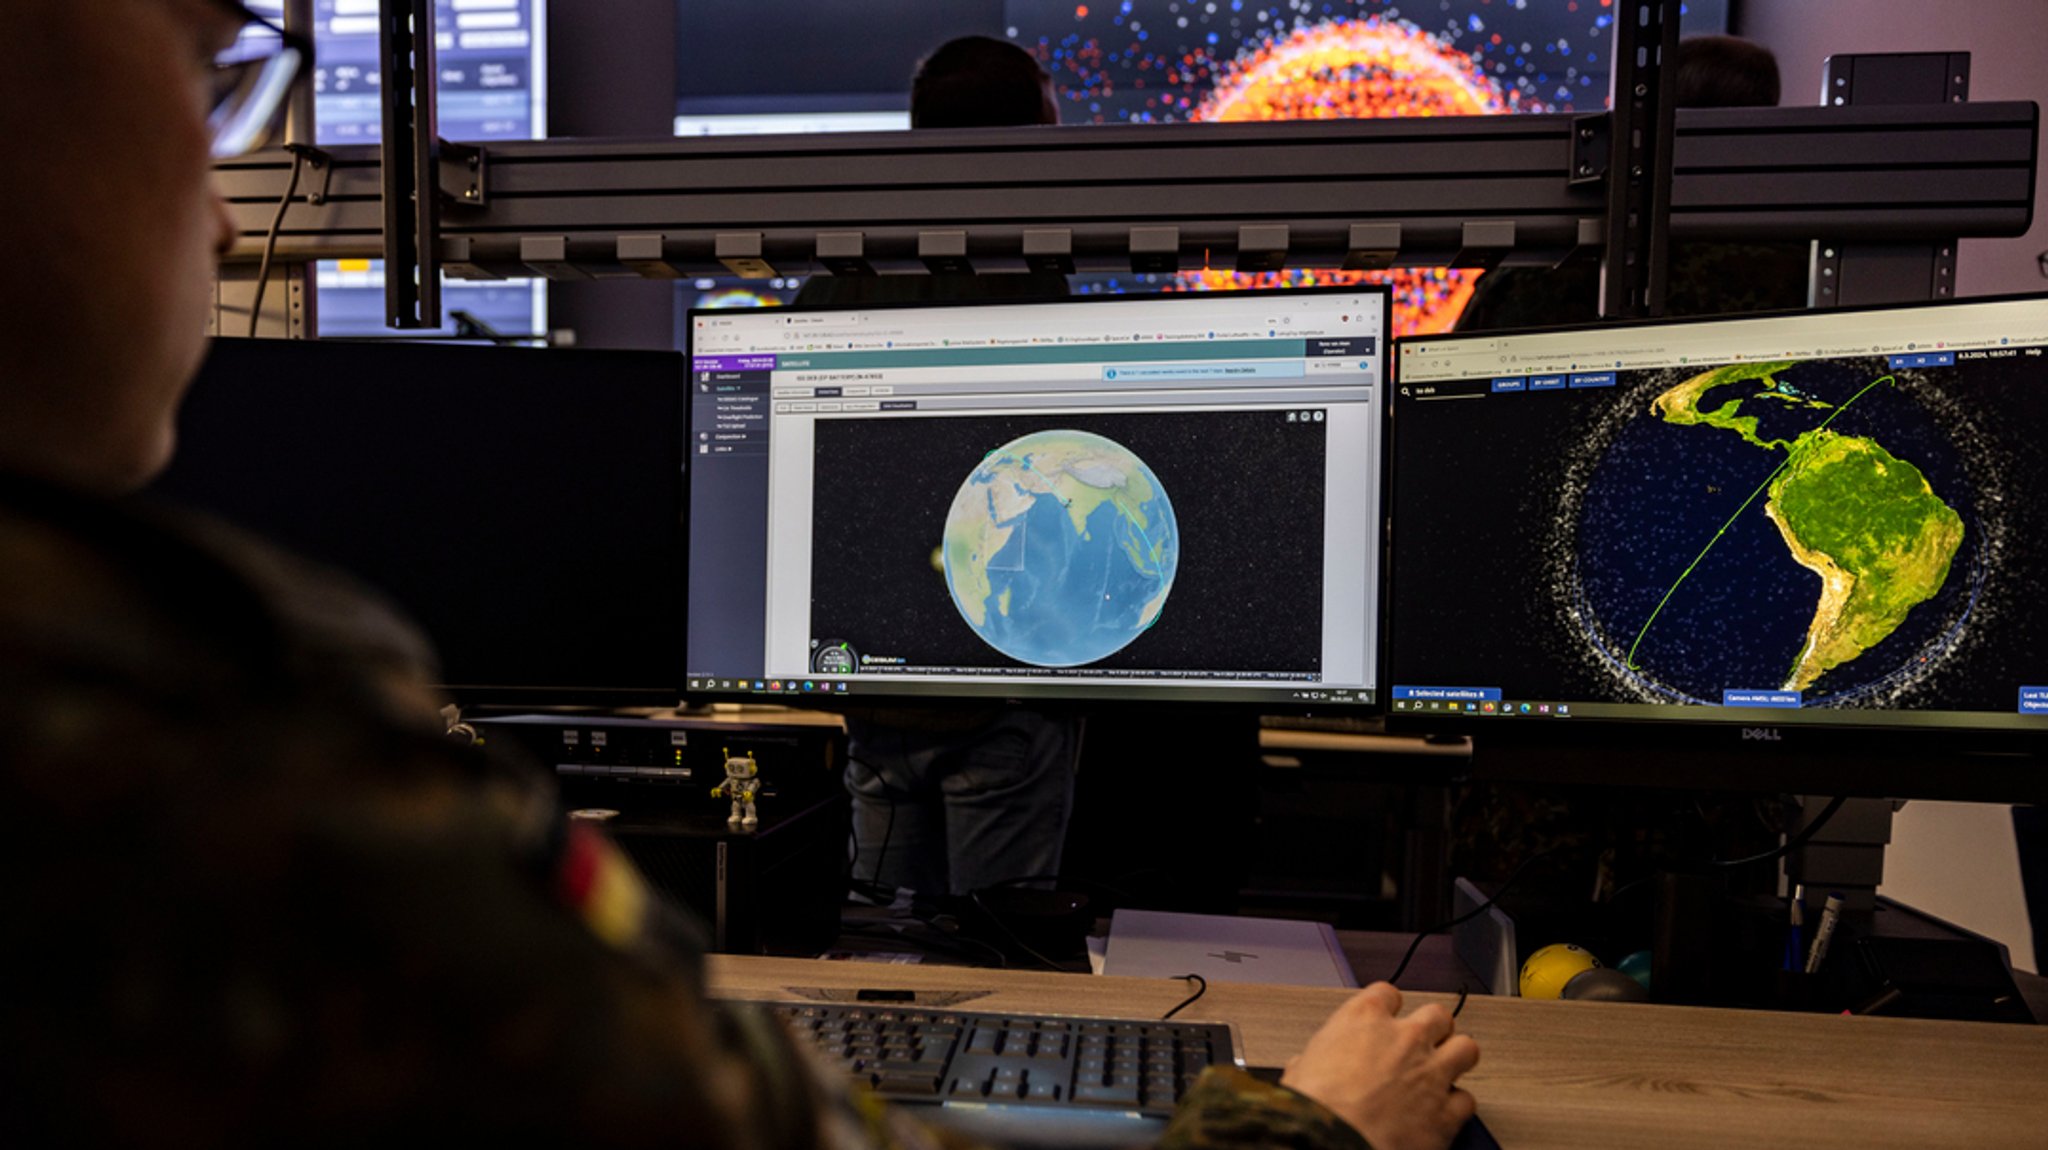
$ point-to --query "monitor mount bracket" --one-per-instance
(1524, 190)
(421, 171)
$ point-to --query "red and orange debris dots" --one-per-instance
(1356, 69)
(1353, 70)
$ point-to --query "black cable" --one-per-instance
(1468, 916)
(1201, 988)
(1460, 1007)
(874, 881)
(291, 192)
(1804, 836)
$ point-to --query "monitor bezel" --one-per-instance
(1104, 696)
(1842, 757)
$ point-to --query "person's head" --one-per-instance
(1725, 72)
(981, 82)
(111, 228)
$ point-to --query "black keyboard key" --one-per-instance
(1115, 1095)
(907, 1084)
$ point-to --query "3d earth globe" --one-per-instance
(1060, 548)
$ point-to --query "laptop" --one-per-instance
(1223, 948)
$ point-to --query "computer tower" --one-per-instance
(775, 888)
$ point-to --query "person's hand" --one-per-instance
(1394, 1079)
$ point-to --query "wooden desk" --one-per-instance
(1588, 1076)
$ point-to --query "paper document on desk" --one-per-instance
(1221, 948)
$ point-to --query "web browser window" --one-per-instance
(1167, 498)
(1832, 518)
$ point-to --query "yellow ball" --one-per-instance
(1546, 972)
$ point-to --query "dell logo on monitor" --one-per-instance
(1762, 734)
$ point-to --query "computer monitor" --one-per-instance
(523, 506)
(492, 86)
(1812, 532)
(1166, 498)
(796, 66)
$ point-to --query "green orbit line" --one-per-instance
(1631, 660)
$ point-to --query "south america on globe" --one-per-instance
(1866, 522)
(1060, 548)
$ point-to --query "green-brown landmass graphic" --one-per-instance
(1865, 521)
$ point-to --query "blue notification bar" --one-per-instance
(1450, 694)
(1760, 699)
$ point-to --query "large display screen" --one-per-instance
(788, 66)
(1166, 498)
(493, 86)
(1833, 518)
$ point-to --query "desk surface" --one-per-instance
(1584, 1075)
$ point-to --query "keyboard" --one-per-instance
(1044, 1079)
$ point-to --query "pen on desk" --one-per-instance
(1795, 930)
(1830, 914)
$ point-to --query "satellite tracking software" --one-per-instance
(1167, 498)
(1833, 518)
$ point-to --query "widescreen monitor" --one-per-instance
(1167, 498)
(524, 506)
(790, 66)
(1814, 531)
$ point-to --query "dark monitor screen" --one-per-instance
(1743, 529)
(523, 506)
(1164, 498)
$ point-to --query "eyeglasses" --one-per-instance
(251, 80)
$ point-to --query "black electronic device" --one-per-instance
(1814, 538)
(524, 506)
(772, 887)
(1166, 499)
(633, 762)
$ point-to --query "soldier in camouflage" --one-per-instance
(256, 897)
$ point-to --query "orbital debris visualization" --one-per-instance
(1143, 61)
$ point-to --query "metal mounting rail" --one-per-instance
(1473, 191)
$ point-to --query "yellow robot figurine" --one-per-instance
(742, 782)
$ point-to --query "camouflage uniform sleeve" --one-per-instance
(1229, 1108)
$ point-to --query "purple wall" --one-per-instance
(2007, 41)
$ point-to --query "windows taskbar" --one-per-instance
(1553, 710)
(1133, 689)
